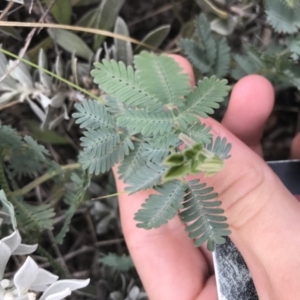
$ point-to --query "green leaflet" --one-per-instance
(212, 55)
(74, 197)
(203, 100)
(155, 154)
(282, 17)
(34, 217)
(275, 65)
(102, 152)
(166, 87)
(93, 114)
(159, 209)
(205, 218)
(220, 147)
(138, 121)
(203, 32)
(145, 177)
(199, 133)
(120, 81)
(195, 55)
(18, 152)
(133, 162)
(222, 62)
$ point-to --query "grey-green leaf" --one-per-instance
(154, 38)
(107, 13)
(71, 42)
(123, 48)
(159, 209)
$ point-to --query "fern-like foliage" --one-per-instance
(210, 55)
(26, 157)
(204, 217)
(203, 100)
(199, 133)
(148, 124)
(73, 197)
(163, 85)
(220, 147)
(133, 162)
(158, 209)
(277, 67)
(18, 158)
(145, 178)
(146, 111)
(118, 80)
(283, 15)
(31, 217)
(93, 114)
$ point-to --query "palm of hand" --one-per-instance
(262, 214)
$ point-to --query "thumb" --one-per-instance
(263, 216)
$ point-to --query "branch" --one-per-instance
(27, 188)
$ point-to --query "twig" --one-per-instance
(81, 29)
(85, 249)
(6, 10)
(27, 188)
(9, 104)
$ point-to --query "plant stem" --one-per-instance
(27, 188)
(3, 181)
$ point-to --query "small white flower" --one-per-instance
(30, 278)
(9, 296)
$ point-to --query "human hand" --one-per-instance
(263, 215)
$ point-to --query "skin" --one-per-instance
(263, 216)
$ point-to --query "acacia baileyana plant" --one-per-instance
(148, 122)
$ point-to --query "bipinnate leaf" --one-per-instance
(203, 215)
(120, 81)
(203, 100)
(220, 147)
(159, 209)
(33, 217)
(195, 55)
(139, 121)
(199, 133)
(20, 165)
(145, 177)
(93, 114)
(155, 154)
(133, 162)
(164, 85)
(221, 66)
(212, 55)
(103, 148)
(204, 33)
(282, 17)
(73, 197)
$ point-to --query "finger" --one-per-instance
(250, 105)
(262, 215)
(167, 261)
(295, 147)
